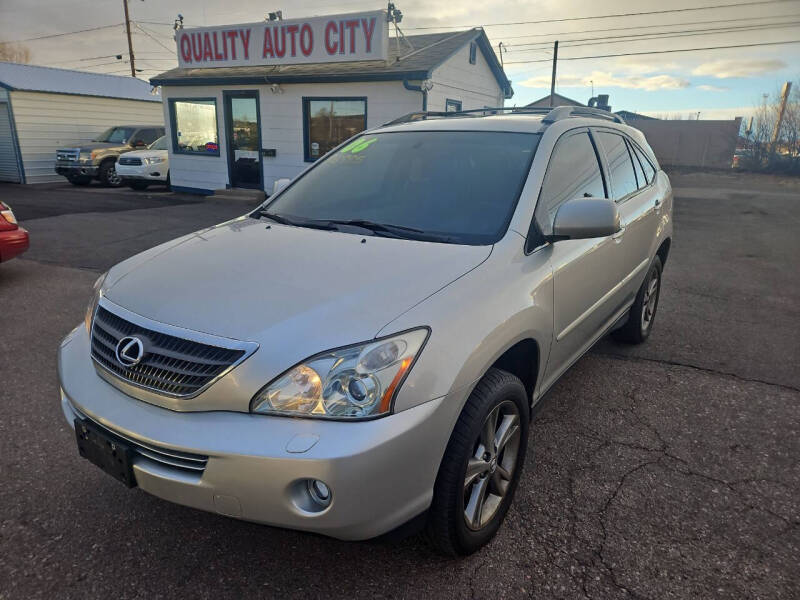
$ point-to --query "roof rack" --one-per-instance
(551, 114)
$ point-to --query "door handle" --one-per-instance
(658, 203)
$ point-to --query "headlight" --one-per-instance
(84, 156)
(96, 292)
(355, 382)
(95, 153)
(154, 160)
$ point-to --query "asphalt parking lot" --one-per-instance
(669, 470)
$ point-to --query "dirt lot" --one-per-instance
(668, 470)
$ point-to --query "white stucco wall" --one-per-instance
(281, 126)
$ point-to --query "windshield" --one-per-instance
(116, 135)
(454, 186)
(159, 144)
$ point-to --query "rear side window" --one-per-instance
(573, 172)
(637, 167)
(620, 167)
(649, 170)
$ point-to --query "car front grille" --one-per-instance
(67, 154)
(126, 160)
(187, 462)
(169, 365)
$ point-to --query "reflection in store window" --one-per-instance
(194, 126)
(330, 121)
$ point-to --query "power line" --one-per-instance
(147, 33)
(611, 16)
(637, 27)
(520, 62)
(55, 35)
(654, 36)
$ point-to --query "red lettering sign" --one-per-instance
(331, 46)
(369, 28)
(267, 44)
(352, 25)
(217, 53)
(207, 55)
(186, 48)
(245, 35)
(306, 39)
(197, 47)
(232, 37)
(292, 31)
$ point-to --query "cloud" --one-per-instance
(713, 88)
(725, 69)
(603, 79)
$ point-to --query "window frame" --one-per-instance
(306, 103)
(174, 131)
(451, 102)
(604, 164)
(535, 238)
(640, 153)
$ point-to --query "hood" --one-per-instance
(146, 153)
(246, 281)
(89, 146)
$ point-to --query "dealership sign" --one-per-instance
(336, 38)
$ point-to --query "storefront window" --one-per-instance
(194, 126)
(330, 121)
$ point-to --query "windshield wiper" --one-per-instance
(296, 222)
(391, 230)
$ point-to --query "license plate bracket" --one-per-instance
(108, 452)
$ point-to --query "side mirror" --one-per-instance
(280, 184)
(585, 218)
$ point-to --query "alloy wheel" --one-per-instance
(650, 301)
(490, 468)
(113, 177)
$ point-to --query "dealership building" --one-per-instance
(250, 104)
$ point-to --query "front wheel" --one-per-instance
(481, 466)
(109, 175)
(643, 312)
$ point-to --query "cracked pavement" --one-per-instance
(668, 470)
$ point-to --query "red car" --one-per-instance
(13, 238)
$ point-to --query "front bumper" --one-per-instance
(381, 473)
(156, 172)
(76, 169)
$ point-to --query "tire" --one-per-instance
(168, 183)
(454, 496)
(79, 180)
(643, 312)
(108, 175)
(138, 185)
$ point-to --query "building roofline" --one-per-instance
(478, 35)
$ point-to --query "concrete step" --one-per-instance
(241, 194)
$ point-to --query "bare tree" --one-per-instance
(14, 52)
(786, 155)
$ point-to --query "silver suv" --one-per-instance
(368, 346)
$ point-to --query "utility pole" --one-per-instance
(130, 44)
(553, 78)
(787, 87)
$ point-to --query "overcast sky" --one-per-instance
(717, 83)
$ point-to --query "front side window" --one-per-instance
(331, 121)
(116, 135)
(446, 186)
(620, 167)
(194, 126)
(573, 173)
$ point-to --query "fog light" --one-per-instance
(319, 492)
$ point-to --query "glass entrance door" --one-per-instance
(244, 141)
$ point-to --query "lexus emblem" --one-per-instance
(129, 351)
